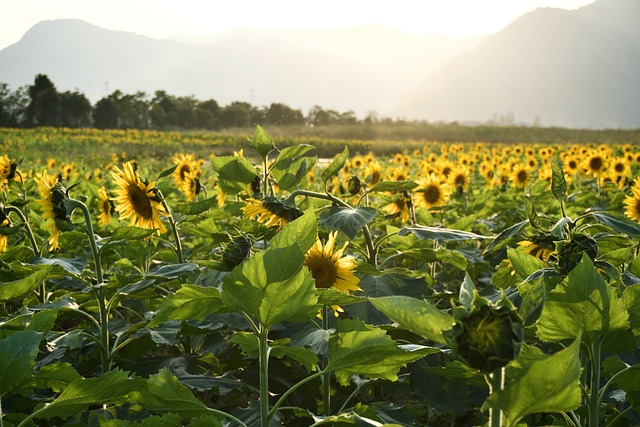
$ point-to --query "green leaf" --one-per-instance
(534, 219)
(17, 360)
(332, 296)
(249, 345)
(294, 152)
(272, 286)
(523, 263)
(551, 384)
(114, 387)
(334, 167)
(362, 349)
(190, 302)
(20, 288)
(131, 233)
(582, 305)
(507, 233)
(533, 298)
(196, 208)
(631, 298)
(428, 255)
(302, 231)
(347, 220)
(417, 316)
(164, 394)
(618, 223)
(262, 142)
(439, 233)
(558, 182)
(393, 186)
(167, 172)
(234, 173)
(56, 376)
(173, 271)
(290, 167)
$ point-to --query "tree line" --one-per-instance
(41, 104)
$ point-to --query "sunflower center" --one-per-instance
(432, 194)
(460, 180)
(619, 167)
(637, 207)
(484, 332)
(595, 164)
(184, 169)
(140, 201)
(522, 176)
(323, 270)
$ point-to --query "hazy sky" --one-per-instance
(160, 18)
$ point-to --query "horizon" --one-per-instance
(202, 19)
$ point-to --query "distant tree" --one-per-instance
(13, 105)
(44, 106)
(133, 110)
(281, 114)
(105, 114)
(208, 115)
(237, 114)
(317, 116)
(75, 110)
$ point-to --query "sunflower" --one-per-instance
(330, 268)
(595, 163)
(136, 199)
(8, 168)
(190, 185)
(632, 203)
(373, 172)
(431, 192)
(520, 175)
(400, 207)
(4, 222)
(54, 205)
(542, 247)
(458, 179)
(185, 164)
(271, 211)
(106, 207)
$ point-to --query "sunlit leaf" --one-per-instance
(347, 220)
(20, 288)
(507, 233)
(262, 142)
(618, 223)
(417, 316)
(393, 186)
(56, 376)
(334, 167)
(234, 173)
(558, 182)
(440, 234)
(195, 208)
(551, 384)
(131, 233)
(190, 302)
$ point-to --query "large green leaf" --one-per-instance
(618, 223)
(357, 348)
(302, 231)
(558, 182)
(291, 166)
(272, 286)
(190, 302)
(56, 376)
(196, 208)
(393, 186)
(131, 233)
(524, 264)
(248, 342)
(583, 304)
(335, 166)
(440, 233)
(234, 173)
(17, 360)
(347, 220)
(631, 299)
(262, 142)
(507, 233)
(163, 394)
(20, 288)
(417, 316)
(551, 384)
(114, 387)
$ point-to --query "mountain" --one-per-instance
(360, 69)
(578, 68)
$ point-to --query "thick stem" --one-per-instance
(594, 395)
(496, 383)
(264, 351)
(326, 377)
(174, 228)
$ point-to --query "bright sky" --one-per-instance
(160, 18)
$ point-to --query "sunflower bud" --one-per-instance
(488, 337)
(354, 185)
(570, 252)
(235, 251)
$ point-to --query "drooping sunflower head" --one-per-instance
(431, 192)
(106, 207)
(271, 211)
(191, 186)
(541, 246)
(136, 199)
(401, 207)
(4, 222)
(54, 203)
(8, 168)
(329, 266)
(373, 172)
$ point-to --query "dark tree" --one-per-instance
(44, 108)
(281, 114)
(237, 114)
(75, 110)
(13, 105)
(105, 114)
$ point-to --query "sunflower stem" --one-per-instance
(174, 228)
(100, 294)
(326, 377)
(594, 395)
(23, 219)
(496, 383)
(264, 351)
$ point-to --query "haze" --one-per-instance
(198, 18)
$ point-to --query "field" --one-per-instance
(340, 276)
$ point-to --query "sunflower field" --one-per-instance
(144, 283)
